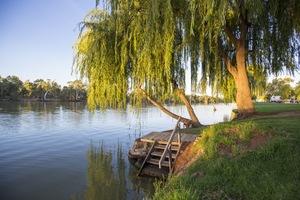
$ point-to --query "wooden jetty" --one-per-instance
(156, 153)
(165, 135)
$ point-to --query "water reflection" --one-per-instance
(40, 107)
(102, 178)
(110, 177)
(206, 113)
(47, 142)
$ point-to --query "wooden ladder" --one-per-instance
(162, 155)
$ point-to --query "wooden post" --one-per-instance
(169, 143)
(170, 156)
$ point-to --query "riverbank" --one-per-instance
(257, 158)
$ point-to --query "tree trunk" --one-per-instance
(239, 72)
(187, 122)
(45, 95)
(243, 96)
(187, 104)
(76, 94)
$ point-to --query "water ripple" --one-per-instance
(43, 147)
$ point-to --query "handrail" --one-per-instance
(169, 144)
(147, 157)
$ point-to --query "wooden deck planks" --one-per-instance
(156, 157)
(164, 136)
(151, 135)
(183, 137)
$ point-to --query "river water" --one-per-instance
(63, 151)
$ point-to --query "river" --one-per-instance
(63, 151)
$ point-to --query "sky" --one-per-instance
(36, 38)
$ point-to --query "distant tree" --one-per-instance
(38, 91)
(78, 87)
(41, 88)
(287, 91)
(29, 87)
(46, 87)
(55, 89)
(16, 84)
(280, 87)
(6, 88)
(297, 91)
(11, 87)
(2, 88)
(66, 93)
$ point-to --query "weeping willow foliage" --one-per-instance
(130, 46)
(146, 43)
(257, 79)
(272, 42)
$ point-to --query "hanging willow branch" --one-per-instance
(136, 41)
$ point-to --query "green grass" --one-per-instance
(271, 171)
(276, 107)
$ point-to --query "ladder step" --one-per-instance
(159, 154)
(159, 151)
(156, 161)
(160, 146)
(163, 142)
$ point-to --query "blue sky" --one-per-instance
(36, 37)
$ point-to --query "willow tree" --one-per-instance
(142, 44)
(127, 50)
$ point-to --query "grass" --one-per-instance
(276, 107)
(270, 171)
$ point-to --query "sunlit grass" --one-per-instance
(276, 107)
(228, 136)
(269, 171)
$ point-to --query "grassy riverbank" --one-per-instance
(252, 159)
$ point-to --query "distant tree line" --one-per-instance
(13, 89)
(279, 87)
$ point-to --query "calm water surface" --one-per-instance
(62, 151)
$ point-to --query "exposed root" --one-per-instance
(241, 116)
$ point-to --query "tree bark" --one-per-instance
(243, 96)
(187, 104)
(187, 122)
(239, 72)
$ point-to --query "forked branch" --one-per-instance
(187, 122)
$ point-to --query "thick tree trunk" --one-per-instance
(187, 122)
(243, 96)
(239, 72)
